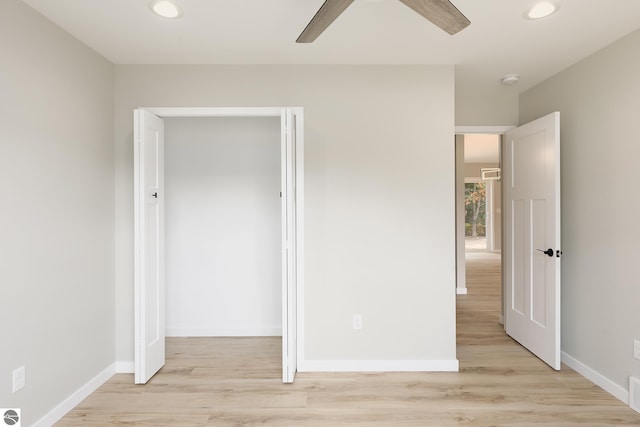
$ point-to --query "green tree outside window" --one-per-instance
(475, 201)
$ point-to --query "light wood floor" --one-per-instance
(236, 382)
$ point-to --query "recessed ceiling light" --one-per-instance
(166, 9)
(510, 79)
(542, 10)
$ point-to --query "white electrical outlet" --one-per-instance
(19, 378)
(357, 322)
(636, 349)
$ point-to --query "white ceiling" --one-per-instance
(498, 41)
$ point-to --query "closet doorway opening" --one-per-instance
(219, 219)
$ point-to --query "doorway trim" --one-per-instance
(490, 130)
(203, 112)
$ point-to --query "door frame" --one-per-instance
(460, 250)
(203, 112)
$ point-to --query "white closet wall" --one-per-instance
(223, 261)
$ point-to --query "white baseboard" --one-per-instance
(634, 394)
(597, 378)
(378, 366)
(78, 396)
(461, 291)
(223, 332)
(125, 367)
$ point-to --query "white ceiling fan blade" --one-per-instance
(441, 12)
(327, 13)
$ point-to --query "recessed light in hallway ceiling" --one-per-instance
(166, 9)
(542, 10)
(510, 79)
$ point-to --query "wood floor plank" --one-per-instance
(237, 382)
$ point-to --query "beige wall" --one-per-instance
(56, 211)
(461, 273)
(599, 103)
(379, 197)
(496, 218)
(495, 108)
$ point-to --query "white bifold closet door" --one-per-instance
(149, 244)
(289, 250)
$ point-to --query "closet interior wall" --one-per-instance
(223, 226)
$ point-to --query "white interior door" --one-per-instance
(531, 174)
(289, 238)
(149, 245)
